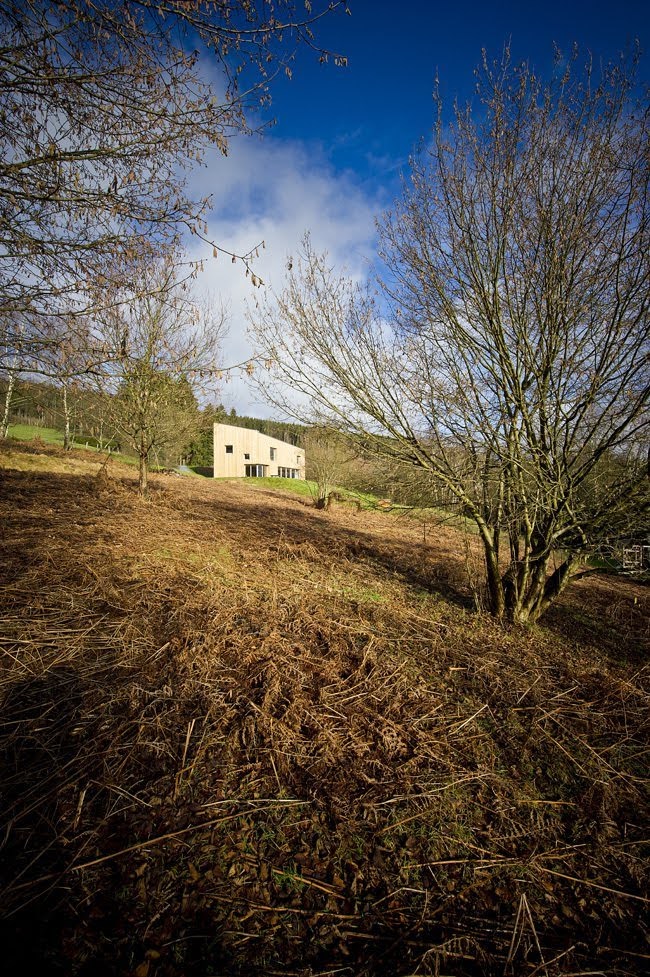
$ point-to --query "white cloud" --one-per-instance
(273, 191)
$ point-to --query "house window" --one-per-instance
(255, 471)
(273, 454)
(298, 459)
(229, 449)
(247, 457)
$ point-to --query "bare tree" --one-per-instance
(167, 343)
(509, 355)
(105, 107)
(67, 359)
(10, 366)
(9, 390)
(328, 462)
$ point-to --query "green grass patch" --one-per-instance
(50, 435)
(363, 595)
(309, 489)
(296, 486)
(28, 432)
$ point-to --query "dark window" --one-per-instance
(229, 449)
(247, 457)
(273, 452)
(255, 471)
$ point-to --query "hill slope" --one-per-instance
(241, 736)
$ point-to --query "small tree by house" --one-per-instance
(328, 462)
(163, 343)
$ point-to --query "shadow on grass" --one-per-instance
(296, 523)
(607, 613)
(38, 754)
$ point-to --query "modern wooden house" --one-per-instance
(242, 453)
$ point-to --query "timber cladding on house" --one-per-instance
(240, 452)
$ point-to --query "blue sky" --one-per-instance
(378, 107)
(343, 136)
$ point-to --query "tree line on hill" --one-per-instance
(93, 418)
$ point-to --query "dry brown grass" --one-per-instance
(241, 736)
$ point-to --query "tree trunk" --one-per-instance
(494, 581)
(4, 430)
(555, 584)
(67, 442)
(142, 474)
(527, 606)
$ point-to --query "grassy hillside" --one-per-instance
(244, 737)
(28, 432)
(51, 435)
(37, 436)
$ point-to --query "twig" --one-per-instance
(544, 966)
(295, 876)
(466, 722)
(594, 885)
(153, 841)
(179, 775)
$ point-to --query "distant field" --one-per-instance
(28, 432)
(50, 435)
